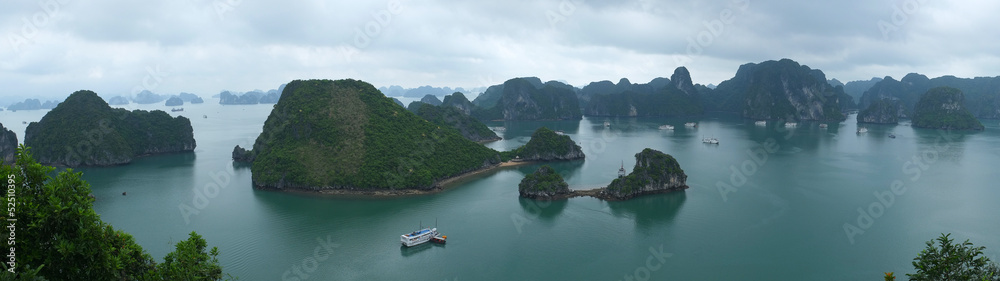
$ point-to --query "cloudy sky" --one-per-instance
(54, 47)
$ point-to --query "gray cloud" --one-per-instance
(204, 46)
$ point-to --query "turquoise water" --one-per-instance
(782, 219)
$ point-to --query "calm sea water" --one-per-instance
(782, 216)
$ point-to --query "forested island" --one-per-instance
(85, 131)
(944, 108)
(654, 172)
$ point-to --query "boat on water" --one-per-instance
(176, 109)
(666, 127)
(561, 133)
(892, 136)
(791, 124)
(690, 124)
(439, 239)
(418, 237)
(823, 126)
(607, 124)
(760, 123)
(498, 129)
(710, 140)
(862, 130)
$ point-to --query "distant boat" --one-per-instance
(561, 133)
(24, 122)
(710, 140)
(176, 109)
(666, 127)
(862, 130)
(607, 124)
(760, 123)
(498, 129)
(823, 126)
(791, 124)
(206, 116)
(892, 136)
(690, 124)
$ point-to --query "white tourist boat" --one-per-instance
(823, 126)
(607, 124)
(791, 124)
(418, 237)
(760, 123)
(690, 124)
(710, 140)
(666, 127)
(862, 130)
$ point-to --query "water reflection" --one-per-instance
(650, 211)
(545, 210)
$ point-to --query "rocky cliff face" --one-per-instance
(654, 172)
(544, 183)
(884, 111)
(242, 155)
(522, 100)
(944, 108)
(677, 97)
(460, 102)
(8, 145)
(786, 90)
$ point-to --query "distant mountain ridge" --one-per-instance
(981, 94)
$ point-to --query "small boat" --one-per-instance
(690, 124)
(24, 122)
(760, 123)
(823, 126)
(206, 116)
(862, 130)
(439, 239)
(418, 237)
(892, 136)
(666, 127)
(498, 129)
(791, 124)
(176, 109)
(561, 133)
(607, 124)
(710, 140)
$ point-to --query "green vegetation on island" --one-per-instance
(679, 97)
(654, 172)
(345, 134)
(884, 111)
(8, 145)
(544, 183)
(85, 131)
(781, 89)
(61, 237)
(944, 108)
(451, 117)
(528, 99)
(545, 145)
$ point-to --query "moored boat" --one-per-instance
(710, 140)
(666, 127)
(760, 123)
(690, 124)
(418, 237)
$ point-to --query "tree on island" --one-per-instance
(61, 237)
(953, 261)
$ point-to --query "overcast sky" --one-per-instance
(54, 47)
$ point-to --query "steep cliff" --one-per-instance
(544, 183)
(678, 97)
(522, 100)
(8, 145)
(884, 111)
(654, 172)
(85, 131)
(779, 90)
(458, 101)
(944, 108)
